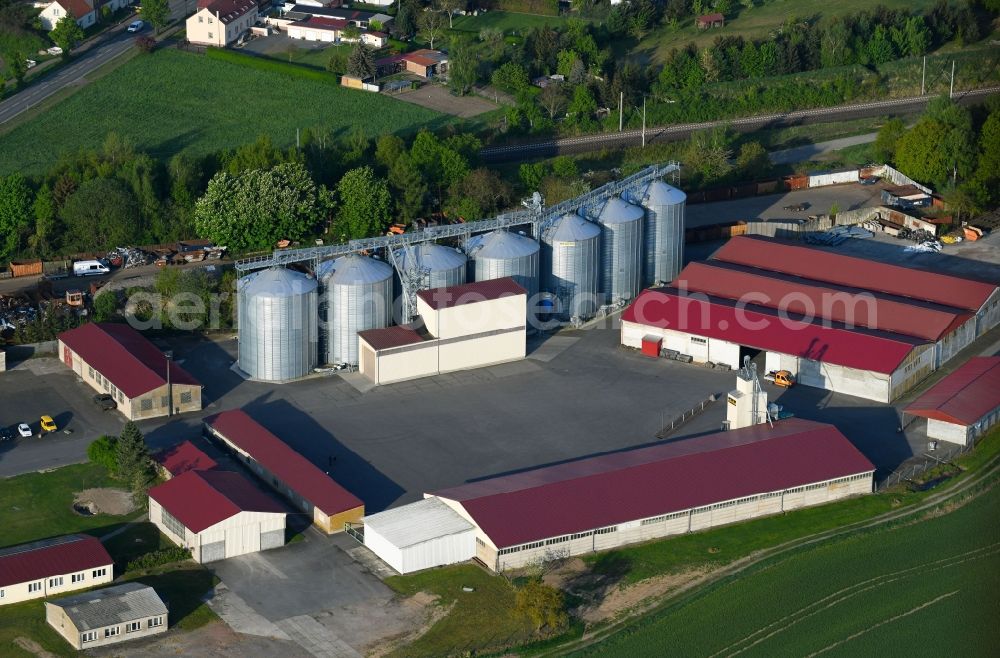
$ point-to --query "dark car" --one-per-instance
(105, 401)
(7, 434)
(797, 207)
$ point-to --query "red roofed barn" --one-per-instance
(53, 566)
(844, 324)
(216, 514)
(611, 500)
(116, 359)
(289, 473)
(964, 405)
(182, 458)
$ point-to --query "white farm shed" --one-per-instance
(217, 515)
(420, 535)
(964, 405)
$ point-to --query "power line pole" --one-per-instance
(923, 76)
(644, 122)
(951, 93)
(621, 99)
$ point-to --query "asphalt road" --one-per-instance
(810, 151)
(109, 46)
(680, 131)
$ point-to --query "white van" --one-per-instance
(89, 268)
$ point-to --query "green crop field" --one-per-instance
(924, 588)
(757, 22)
(173, 100)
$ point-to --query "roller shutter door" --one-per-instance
(272, 539)
(213, 551)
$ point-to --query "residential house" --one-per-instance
(221, 22)
(82, 10)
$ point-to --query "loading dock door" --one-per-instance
(272, 539)
(214, 551)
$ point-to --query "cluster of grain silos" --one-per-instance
(290, 322)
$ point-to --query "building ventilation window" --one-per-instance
(173, 524)
(77, 578)
(112, 631)
(133, 626)
(155, 621)
(97, 573)
(34, 587)
(186, 397)
(146, 405)
(89, 636)
(56, 582)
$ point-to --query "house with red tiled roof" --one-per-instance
(53, 566)
(221, 22)
(216, 514)
(117, 360)
(82, 10)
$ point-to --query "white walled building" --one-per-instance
(461, 327)
(675, 487)
(81, 10)
(216, 514)
(420, 535)
(964, 405)
(53, 566)
(221, 22)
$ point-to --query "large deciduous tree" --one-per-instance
(102, 213)
(15, 214)
(254, 209)
(157, 12)
(431, 26)
(365, 207)
(66, 34)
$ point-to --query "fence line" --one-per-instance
(669, 428)
(909, 470)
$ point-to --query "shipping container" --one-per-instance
(796, 182)
(25, 267)
(767, 186)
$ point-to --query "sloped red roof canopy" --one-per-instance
(200, 499)
(964, 396)
(185, 457)
(646, 482)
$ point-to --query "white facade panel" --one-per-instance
(483, 351)
(950, 432)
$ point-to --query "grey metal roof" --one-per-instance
(571, 228)
(354, 269)
(433, 256)
(616, 211)
(417, 522)
(112, 605)
(279, 282)
(501, 244)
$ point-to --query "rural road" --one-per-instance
(625, 138)
(109, 46)
(809, 151)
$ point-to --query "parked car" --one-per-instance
(47, 424)
(7, 434)
(24, 430)
(782, 378)
(136, 26)
(797, 207)
(105, 401)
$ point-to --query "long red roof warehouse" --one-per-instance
(759, 328)
(297, 472)
(820, 265)
(200, 499)
(861, 309)
(51, 557)
(124, 356)
(646, 482)
(964, 396)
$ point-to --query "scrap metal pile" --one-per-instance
(838, 235)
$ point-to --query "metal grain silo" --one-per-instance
(621, 250)
(664, 231)
(279, 328)
(358, 297)
(570, 259)
(500, 253)
(444, 266)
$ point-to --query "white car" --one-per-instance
(24, 430)
(135, 26)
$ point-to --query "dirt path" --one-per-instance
(920, 511)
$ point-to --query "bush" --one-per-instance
(105, 306)
(145, 44)
(159, 558)
(545, 606)
(104, 452)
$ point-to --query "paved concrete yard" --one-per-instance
(44, 386)
(771, 206)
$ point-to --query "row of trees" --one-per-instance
(953, 148)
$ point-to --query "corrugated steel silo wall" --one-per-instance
(570, 271)
(352, 308)
(279, 336)
(523, 269)
(664, 243)
(621, 260)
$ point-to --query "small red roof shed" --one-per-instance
(184, 457)
(964, 396)
(711, 20)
